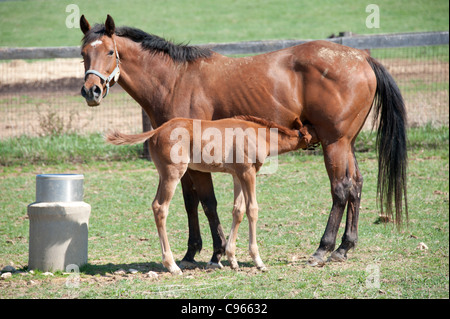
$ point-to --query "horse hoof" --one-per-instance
(211, 265)
(314, 261)
(337, 257)
(185, 264)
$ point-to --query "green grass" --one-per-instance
(63, 148)
(294, 204)
(74, 148)
(42, 23)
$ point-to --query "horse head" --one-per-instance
(101, 60)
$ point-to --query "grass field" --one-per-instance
(294, 205)
(43, 23)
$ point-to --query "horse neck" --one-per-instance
(148, 77)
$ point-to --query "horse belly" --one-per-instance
(208, 168)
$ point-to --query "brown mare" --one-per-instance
(327, 85)
(234, 153)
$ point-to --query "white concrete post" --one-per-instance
(59, 222)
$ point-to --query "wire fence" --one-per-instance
(42, 96)
(422, 74)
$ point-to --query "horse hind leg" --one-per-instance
(336, 162)
(350, 237)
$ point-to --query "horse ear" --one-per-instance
(84, 24)
(110, 26)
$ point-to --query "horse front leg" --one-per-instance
(191, 202)
(205, 190)
(336, 162)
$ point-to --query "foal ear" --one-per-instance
(84, 24)
(297, 124)
(110, 26)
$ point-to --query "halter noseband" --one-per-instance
(114, 74)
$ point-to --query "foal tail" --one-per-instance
(118, 138)
(391, 142)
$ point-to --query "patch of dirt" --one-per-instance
(22, 72)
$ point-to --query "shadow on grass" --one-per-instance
(110, 268)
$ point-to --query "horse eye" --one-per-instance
(111, 52)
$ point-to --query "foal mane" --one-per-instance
(281, 129)
(177, 52)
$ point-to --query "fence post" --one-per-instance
(146, 126)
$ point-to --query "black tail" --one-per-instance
(391, 142)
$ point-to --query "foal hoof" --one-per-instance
(263, 268)
(233, 264)
(211, 265)
(175, 270)
(185, 264)
(315, 261)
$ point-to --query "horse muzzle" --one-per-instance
(93, 95)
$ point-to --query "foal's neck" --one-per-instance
(288, 143)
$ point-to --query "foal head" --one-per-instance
(101, 60)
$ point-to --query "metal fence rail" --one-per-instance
(378, 41)
(40, 96)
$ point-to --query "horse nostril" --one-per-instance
(97, 91)
(84, 92)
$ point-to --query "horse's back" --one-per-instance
(321, 82)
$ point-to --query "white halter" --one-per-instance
(114, 75)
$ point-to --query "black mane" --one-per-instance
(178, 52)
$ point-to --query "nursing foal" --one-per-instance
(237, 146)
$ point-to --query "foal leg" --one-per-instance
(248, 184)
(238, 214)
(336, 162)
(167, 184)
(350, 236)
